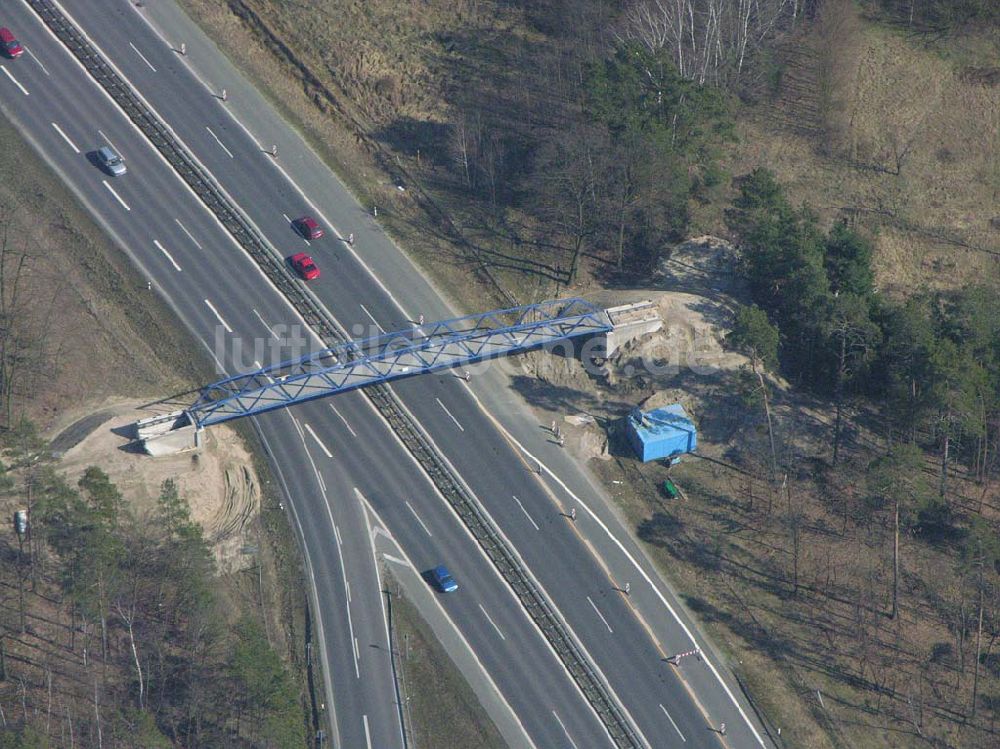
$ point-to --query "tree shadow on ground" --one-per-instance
(717, 310)
(665, 531)
(413, 137)
(564, 399)
(757, 637)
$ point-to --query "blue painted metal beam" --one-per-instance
(421, 349)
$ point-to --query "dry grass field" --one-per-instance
(93, 330)
(824, 662)
(440, 707)
(892, 130)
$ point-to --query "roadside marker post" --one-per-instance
(675, 660)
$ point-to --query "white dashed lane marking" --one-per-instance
(15, 81)
(221, 144)
(170, 257)
(66, 138)
(218, 316)
(119, 199)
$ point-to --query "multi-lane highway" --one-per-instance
(329, 454)
(197, 266)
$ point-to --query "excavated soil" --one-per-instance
(217, 481)
(696, 292)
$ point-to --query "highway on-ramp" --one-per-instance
(326, 450)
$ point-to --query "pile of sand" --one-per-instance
(696, 291)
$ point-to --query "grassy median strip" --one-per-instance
(440, 706)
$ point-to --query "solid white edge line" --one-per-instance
(490, 620)
(14, 80)
(598, 612)
(219, 317)
(28, 50)
(530, 519)
(563, 726)
(118, 198)
(422, 524)
(108, 140)
(672, 723)
(66, 138)
(221, 144)
(264, 323)
(445, 408)
(170, 257)
(353, 433)
(142, 56)
(189, 234)
(298, 428)
(371, 317)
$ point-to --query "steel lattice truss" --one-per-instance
(422, 349)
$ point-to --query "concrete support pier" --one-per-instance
(168, 434)
(629, 321)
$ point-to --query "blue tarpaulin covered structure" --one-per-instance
(661, 433)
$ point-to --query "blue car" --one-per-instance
(443, 579)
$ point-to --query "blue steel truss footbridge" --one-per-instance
(418, 350)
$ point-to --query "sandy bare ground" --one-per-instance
(218, 481)
(696, 293)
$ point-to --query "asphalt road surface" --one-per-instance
(197, 266)
(327, 452)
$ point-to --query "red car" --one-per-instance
(9, 45)
(308, 228)
(305, 266)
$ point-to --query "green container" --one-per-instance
(669, 489)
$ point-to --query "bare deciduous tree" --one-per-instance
(710, 40)
(573, 164)
(25, 322)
